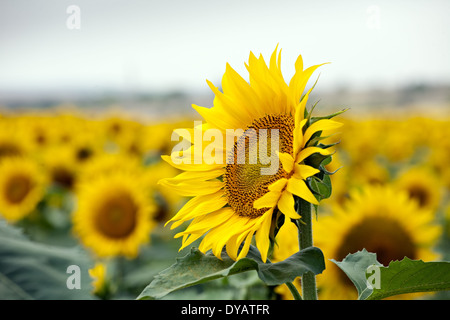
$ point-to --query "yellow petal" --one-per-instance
(218, 118)
(321, 125)
(198, 206)
(299, 80)
(195, 175)
(286, 205)
(298, 131)
(262, 235)
(278, 185)
(300, 189)
(246, 246)
(240, 225)
(287, 161)
(303, 171)
(223, 102)
(190, 166)
(209, 221)
(305, 153)
(269, 200)
(232, 247)
(193, 189)
(188, 239)
(241, 91)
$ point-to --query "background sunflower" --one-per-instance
(380, 219)
(114, 215)
(22, 186)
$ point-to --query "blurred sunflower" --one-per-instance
(11, 142)
(100, 281)
(233, 202)
(368, 172)
(422, 185)
(60, 165)
(22, 186)
(114, 216)
(105, 164)
(380, 219)
(88, 143)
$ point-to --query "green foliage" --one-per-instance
(400, 277)
(196, 268)
(330, 116)
(321, 188)
(355, 265)
(408, 276)
(30, 270)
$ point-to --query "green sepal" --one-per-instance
(330, 116)
(321, 187)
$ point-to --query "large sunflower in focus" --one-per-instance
(233, 201)
(114, 216)
(380, 219)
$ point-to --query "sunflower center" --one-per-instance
(7, 149)
(244, 182)
(63, 177)
(17, 188)
(420, 194)
(83, 154)
(116, 217)
(381, 235)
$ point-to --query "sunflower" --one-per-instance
(61, 166)
(88, 143)
(380, 219)
(422, 185)
(22, 186)
(234, 200)
(114, 215)
(107, 163)
(100, 281)
(11, 140)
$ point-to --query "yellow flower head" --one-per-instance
(234, 196)
(422, 185)
(114, 215)
(22, 186)
(380, 219)
(98, 275)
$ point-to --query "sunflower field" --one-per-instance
(92, 206)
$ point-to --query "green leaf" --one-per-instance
(322, 188)
(355, 266)
(316, 159)
(409, 276)
(197, 267)
(30, 270)
(405, 276)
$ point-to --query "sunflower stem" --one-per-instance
(294, 291)
(305, 240)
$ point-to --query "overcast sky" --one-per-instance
(165, 45)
